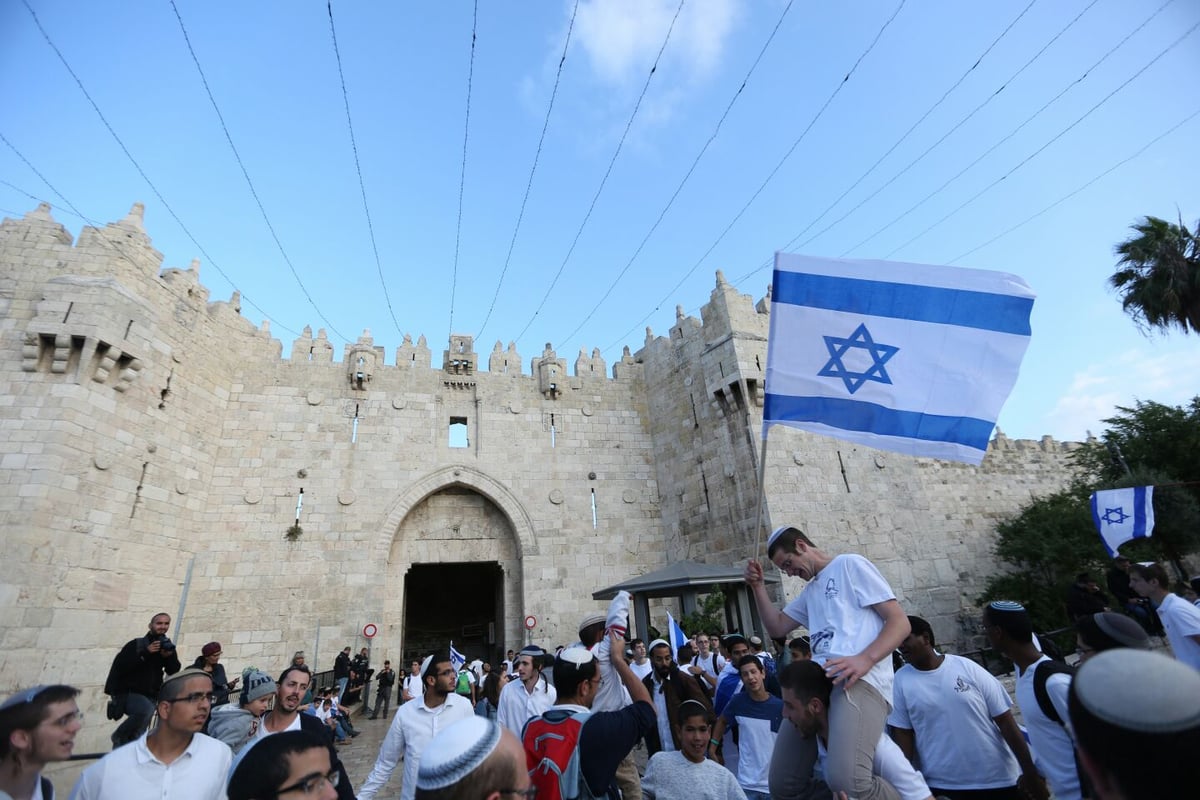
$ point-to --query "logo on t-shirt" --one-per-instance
(821, 641)
(831, 589)
(961, 686)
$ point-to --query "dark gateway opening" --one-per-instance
(462, 603)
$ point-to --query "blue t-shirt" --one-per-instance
(758, 722)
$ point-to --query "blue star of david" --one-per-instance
(1114, 516)
(859, 340)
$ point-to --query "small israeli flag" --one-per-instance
(675, 635)
(912, 358)
(457, 659)
(1122, 515)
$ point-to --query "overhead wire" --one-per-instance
(132, 160)
(1014, 131)
(532, 170)
(362, 186)
(69, 208)
(695, 162)
(246, 174)
(607, 172)
(904, 137)
(1007, 81)
(769, 177)
(1052, 140)
(1081, 188)
(462, 176)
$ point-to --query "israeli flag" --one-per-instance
(913, 358)
(457, 659)
(1122, 515)
(675, 635)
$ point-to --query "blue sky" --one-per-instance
(763, 184)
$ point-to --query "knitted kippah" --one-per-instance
(532, 650)
(1005, 605)
(590, 620)
(658, 642)
(457, 751)
(1139, 691)
(184, 674)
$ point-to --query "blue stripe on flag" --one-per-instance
(983, 310)
(1139, 512)
(855, 415)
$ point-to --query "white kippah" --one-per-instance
(425, 665)
(1139, 691)
(657, 642)
(576, 654)
(457, 751)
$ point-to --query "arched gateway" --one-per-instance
(453, 544)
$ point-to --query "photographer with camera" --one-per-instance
(136, 676)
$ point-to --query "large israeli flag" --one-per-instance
(1122, 515)
(913, 358)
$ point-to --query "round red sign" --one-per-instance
(530, 622)
(369, 630)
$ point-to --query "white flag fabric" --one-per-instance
(1122, 515)
(457, 659)
(675, 635)
(913, 358)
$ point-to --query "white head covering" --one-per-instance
(456, 751)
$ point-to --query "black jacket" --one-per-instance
(341, 667)
(677, 687)
(135, 669)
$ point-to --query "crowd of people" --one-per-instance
(827, 716)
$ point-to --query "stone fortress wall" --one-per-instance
(154, 439)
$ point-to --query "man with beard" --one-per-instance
(415, 725)
(136, 676)
(686, 773)
(530, 695)
(669, 688)
(174, 761)
(37, 726)
(285, 716)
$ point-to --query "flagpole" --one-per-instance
(758, 516)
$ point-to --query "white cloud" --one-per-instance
(1136, 374)
(622, 37)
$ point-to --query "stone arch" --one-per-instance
(469, 478)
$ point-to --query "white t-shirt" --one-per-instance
(641, 670)
(132, 772)
(890, 764)
(834, 606)
(951, 711)
(707, 662)
(263, 733)
(1181, 620)
(1053, 745)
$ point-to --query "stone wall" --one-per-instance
(154, 439)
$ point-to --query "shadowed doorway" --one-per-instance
(462, 603)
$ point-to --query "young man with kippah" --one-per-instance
(172, 762)
(530, 695)
(1010, 631)
(37, 727)
(956, 717)
(293, 763)
(415, 724)
(1180, 619)
(607, 737)
(687, 773)
(1137, 738)
(854, 624)
(473, 759)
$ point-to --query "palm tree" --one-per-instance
(1158, 275)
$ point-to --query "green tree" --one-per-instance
(709, 615)
(1158, 275)
(1048, 543)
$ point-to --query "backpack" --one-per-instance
(1041, 674)
(551, 744)
(463, 686)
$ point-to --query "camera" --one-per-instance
(165, 643)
